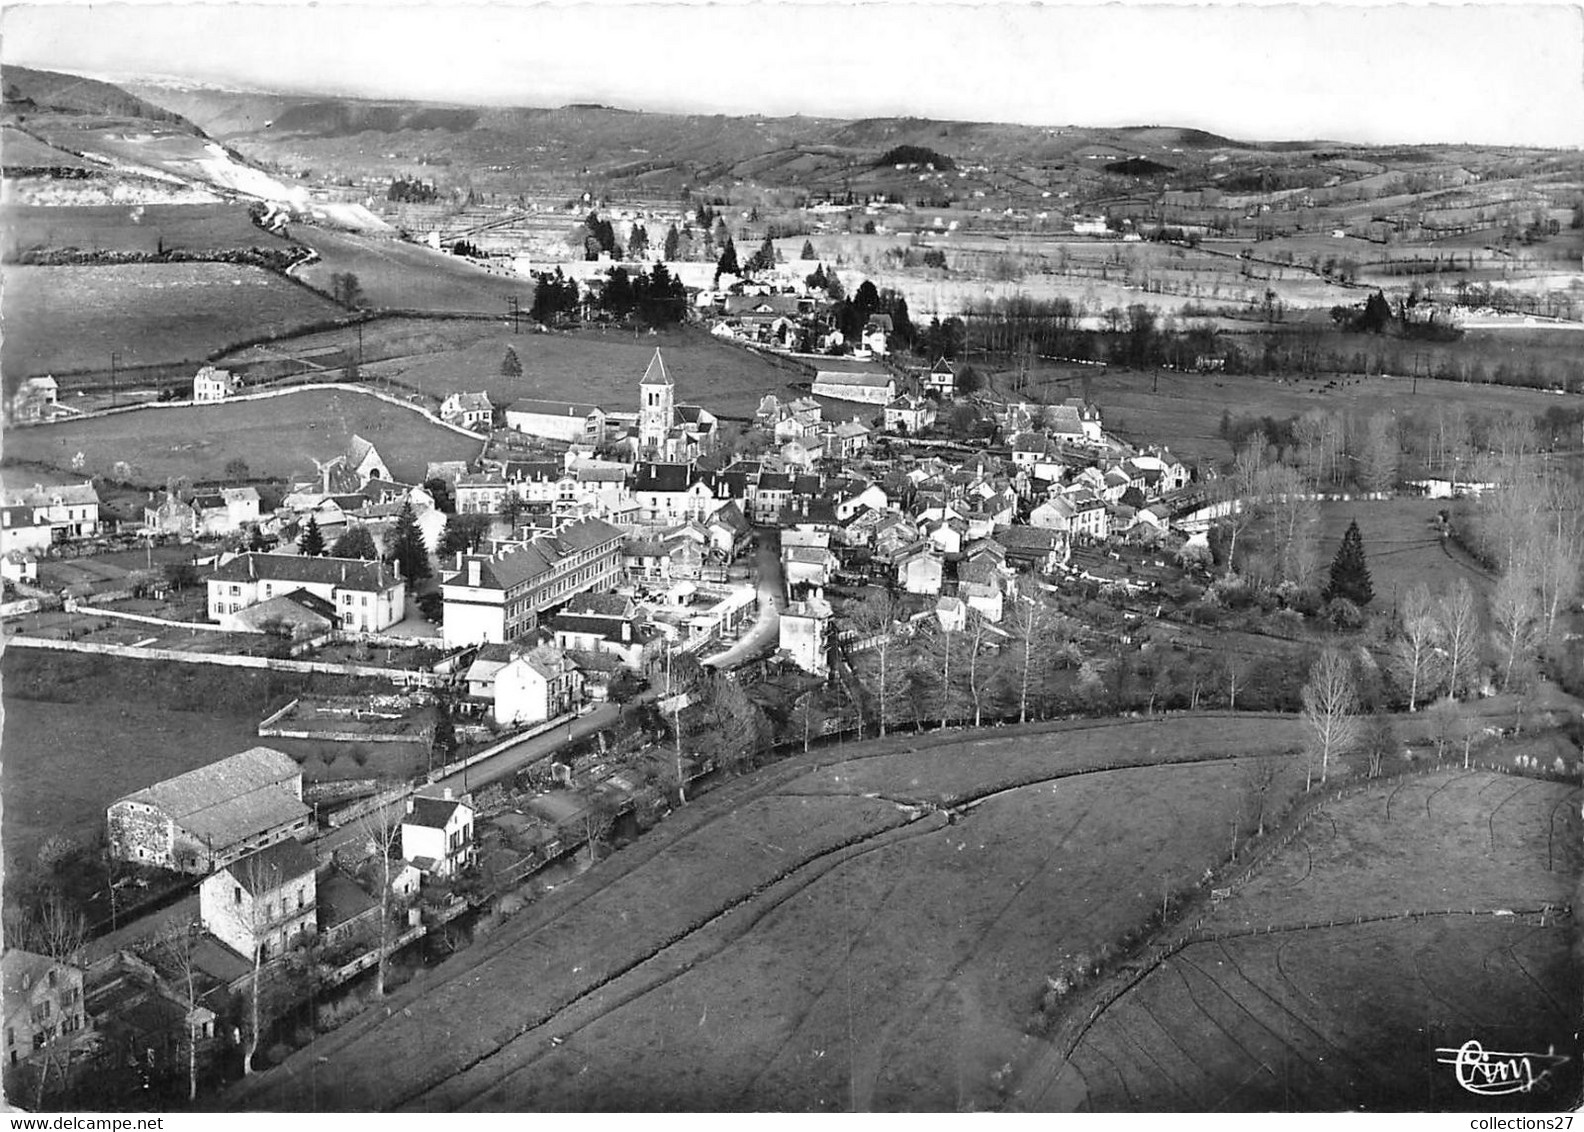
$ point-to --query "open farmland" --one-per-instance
(1313, 1016)
(22, 150)
(1184, 410)
(81, 731)
(401, 276)
(276, 436)
(832, 937)
(134, 228)
(594, 366)
(1402, 547)
(67, 319)
(65, 763)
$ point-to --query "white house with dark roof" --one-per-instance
(437, 834)
(942, 377)
(268, 901)
(469, 410)
(211, 384)
(669, 493)
(498, 597)
(367, 596)
(211, 816)
(71, 511)
(805, 634)
(535, 685)
(909, 414)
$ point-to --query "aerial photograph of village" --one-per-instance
(773, 558)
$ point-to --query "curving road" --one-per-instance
(765, 636)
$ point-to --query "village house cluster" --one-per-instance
(606, 543)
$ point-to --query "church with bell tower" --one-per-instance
(656, 409)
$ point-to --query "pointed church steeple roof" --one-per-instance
(656, 373)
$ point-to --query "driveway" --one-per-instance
(766, 633)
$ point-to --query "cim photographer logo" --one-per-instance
(1494, 1073)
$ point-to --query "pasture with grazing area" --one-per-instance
(398, 275)
(1184, 410)
(146, 228)
(1325, 1012)
(81, 731)
(832, 937)
(275, 436)
(67, 319)
(1402, 547)
(602, 367)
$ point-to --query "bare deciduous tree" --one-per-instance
(1379, 451)
(806, 717)
(382, 827)
(1458, 618)
(1258, 777)
(875, 620)
(1415, 655)
(177, 944)
(1515, 618)
(980, 669)
(1031, 624)
(1330, 707)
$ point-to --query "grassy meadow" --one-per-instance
(1349, 1016)
(61, 320)
(831, 942)
(277, 436)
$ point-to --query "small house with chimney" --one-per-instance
(437, 834)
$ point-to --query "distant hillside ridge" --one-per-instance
(27, 90)
(915, 155)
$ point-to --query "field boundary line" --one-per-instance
(1169, 940)
(265, 395)
(403, 676)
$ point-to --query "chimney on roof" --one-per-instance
(473, 572)
(447, 795)
(409, 803)
(343, 573)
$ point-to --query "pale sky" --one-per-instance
(1481, 72)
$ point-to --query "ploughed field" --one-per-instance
(864, 927)
(275, 436)
(1402, 920)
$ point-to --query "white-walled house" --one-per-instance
(536, 685)
(267, 900)
(805, 629)
(469, 410)
(437, 834)
(367, 596)
(211, 384)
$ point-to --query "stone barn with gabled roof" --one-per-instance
(209, 817)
